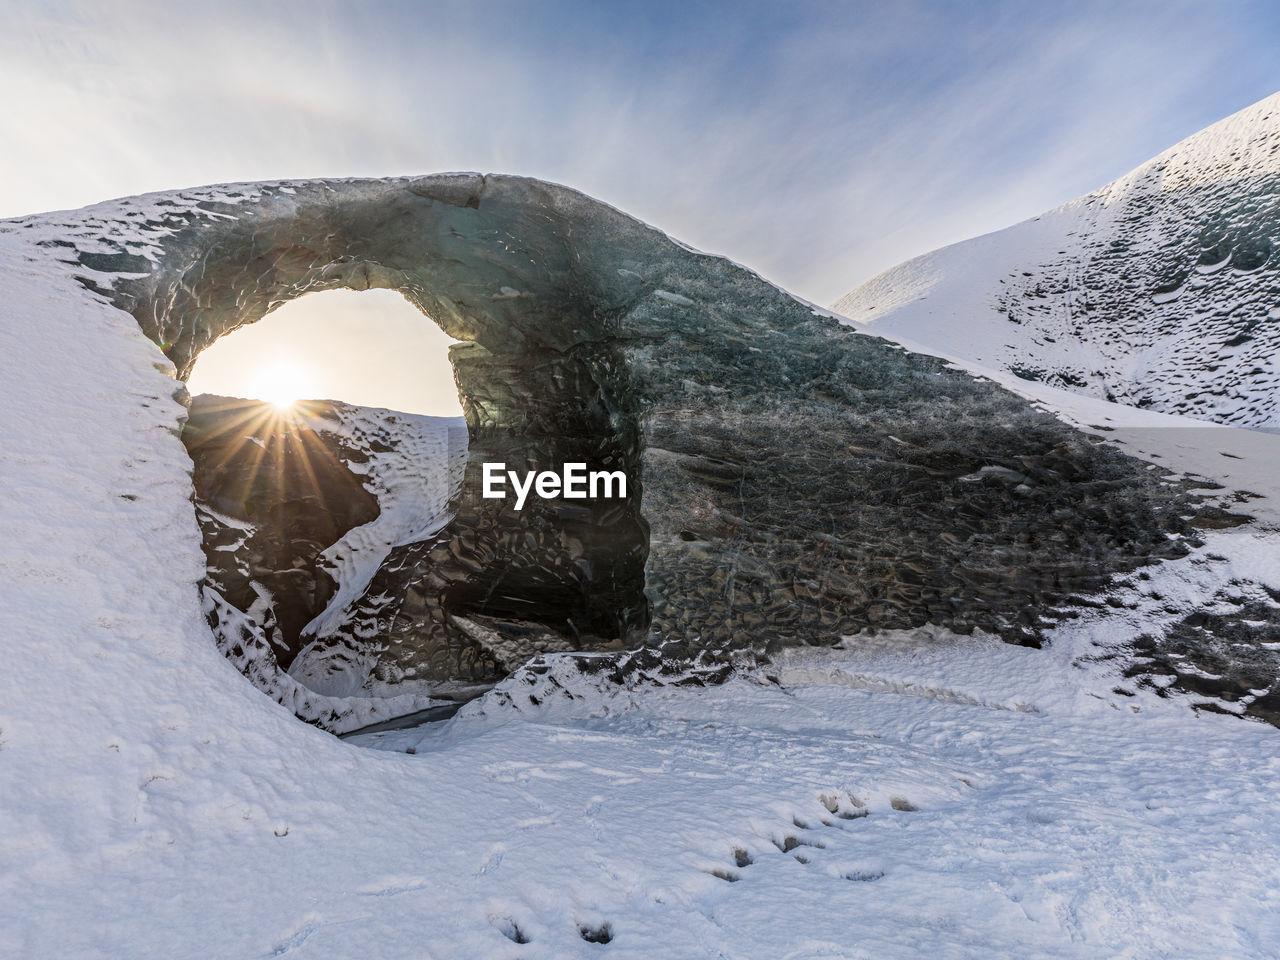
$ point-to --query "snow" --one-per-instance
(1121, 292)
(413, 479)
(940, 794)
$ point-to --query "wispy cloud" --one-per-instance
(817, 142)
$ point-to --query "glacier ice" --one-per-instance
(790, 480)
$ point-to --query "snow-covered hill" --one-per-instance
(1160, 290)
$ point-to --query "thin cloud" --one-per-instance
(818, 143)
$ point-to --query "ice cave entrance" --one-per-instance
(323, 437)
(368, 348)
(352, 552)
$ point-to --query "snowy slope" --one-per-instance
(1161, 289)
(413, 465)
(932, 794)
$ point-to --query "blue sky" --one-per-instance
(816, 142)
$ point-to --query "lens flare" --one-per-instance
(283, 384)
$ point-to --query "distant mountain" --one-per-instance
(1161, 289)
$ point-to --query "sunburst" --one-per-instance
(283, 384)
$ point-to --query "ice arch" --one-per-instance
(791, 480)
(539, 371)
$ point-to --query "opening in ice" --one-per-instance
(350, 551)
(367, 348)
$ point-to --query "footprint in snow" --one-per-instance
(803, 846)
(595, 933)
(297, 938)
(509, 929)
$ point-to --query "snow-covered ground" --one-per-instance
(910, 794)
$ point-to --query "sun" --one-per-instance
(283, 384)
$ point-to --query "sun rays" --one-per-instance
(279, 454)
